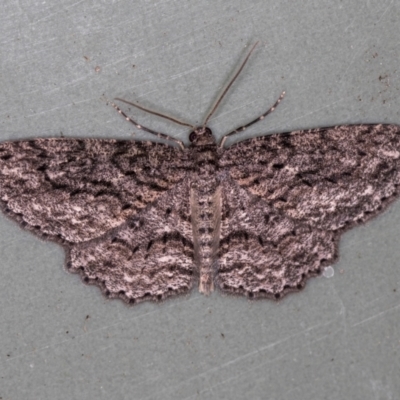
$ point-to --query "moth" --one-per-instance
(145, 220)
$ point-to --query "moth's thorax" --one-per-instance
(204, 152)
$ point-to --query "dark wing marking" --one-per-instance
(299, 193)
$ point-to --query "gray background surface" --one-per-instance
(339, 64)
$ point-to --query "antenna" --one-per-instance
(217, 103)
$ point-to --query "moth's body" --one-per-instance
(205, 204)
(141, 220)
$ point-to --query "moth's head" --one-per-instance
(201, 136)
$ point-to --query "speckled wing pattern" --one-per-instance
(145, 221)
(288, 198)
(119, 207)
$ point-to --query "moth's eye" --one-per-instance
(208, 132)
(192, 136)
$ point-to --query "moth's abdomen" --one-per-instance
(206, 216)
(205, 204)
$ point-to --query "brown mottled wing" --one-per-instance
(288, 197)
(149, 257)
(113, 204)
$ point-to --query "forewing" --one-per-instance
(301, 191)
(74, 190)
